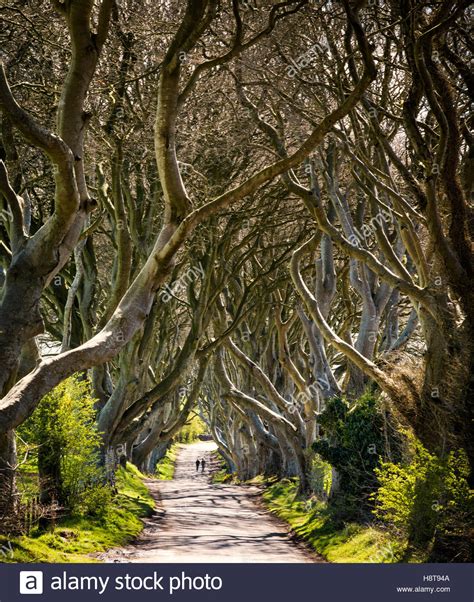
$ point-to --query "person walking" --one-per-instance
(203, 464)
(197, 465)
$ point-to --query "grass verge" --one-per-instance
(312, 521)
(165, 467)
(72, 538)
(221, 476)
(219, 472)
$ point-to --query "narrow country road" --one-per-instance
(198, 521)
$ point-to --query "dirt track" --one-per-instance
(197, 521)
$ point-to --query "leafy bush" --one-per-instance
(320, 476)
(64, 430)
(357, 436)
(425, 497)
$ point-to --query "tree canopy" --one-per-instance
(254, 211)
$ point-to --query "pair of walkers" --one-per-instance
(201, 463)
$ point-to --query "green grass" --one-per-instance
(74, 537)
(312, 521)
(222, 475)
(165, 466)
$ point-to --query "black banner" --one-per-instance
(238, 582)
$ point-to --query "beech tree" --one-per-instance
(72, 204)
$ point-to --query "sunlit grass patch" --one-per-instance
(165, 467)
(313, 521)
(72, 538)
(222, 476)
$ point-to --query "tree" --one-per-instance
(179, 220)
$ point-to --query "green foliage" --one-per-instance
(64, 434)
(74, 537)
(355, 441)
(319, 475)
(427, 496)
(165, 466)
(191, 430)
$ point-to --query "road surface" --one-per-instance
(197, 521)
